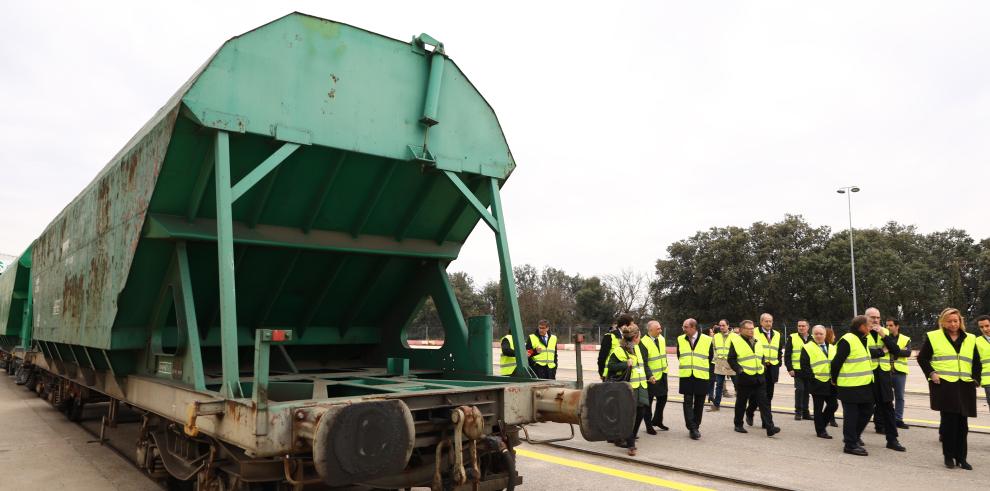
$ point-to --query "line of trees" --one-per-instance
(789, 268)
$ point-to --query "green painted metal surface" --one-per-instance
(311, 176)
(15, 302)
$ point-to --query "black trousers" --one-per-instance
(855, 417)
(825, 407)
(656, 391)
(641, 412)
(545, 372)
(801, 387)
(769, 386)
(694, 407)
(954, 430)
(752, 396)
(884, 420)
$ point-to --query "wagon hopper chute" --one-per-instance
(245, 269)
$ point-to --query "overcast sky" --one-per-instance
(633, 124)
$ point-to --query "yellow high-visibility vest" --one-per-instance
(722, 343)
(507, 364)
(820, 365)
(952, 366)
(545, 357)
(984, 348)
(656, 356)
(856, 371)
(899, 364)
(694, 362)
(749, 359)
(637, 375)
(796, 344)
(771, 348)
(877, 344)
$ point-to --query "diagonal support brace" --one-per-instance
(259, 173)
(473, 200)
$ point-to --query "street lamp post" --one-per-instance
(848, 190)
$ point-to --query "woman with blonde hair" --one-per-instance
(627, 363)
(952, 365)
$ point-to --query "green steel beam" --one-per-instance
(416, 205)
(358, 301)
(263, 339)
(266, 310)
(454, 328)
(225, 244)
(324, 192)
(369, 205)
(259, 173)
(238, 257)
(508, 281)
(452, 219)
(314, 304)
(176, 228)
(27, 316)
(472, 200)
(265, 193)
(199, 188)
(185, 313)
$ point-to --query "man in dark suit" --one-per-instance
(694, 354)
(772, 355)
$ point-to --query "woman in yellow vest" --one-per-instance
(694, 357)
(816, 370)
(627, 363)
(951, 363)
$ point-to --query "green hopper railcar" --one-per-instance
(244, 270)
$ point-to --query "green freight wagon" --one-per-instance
(15, 312)
(244, 271)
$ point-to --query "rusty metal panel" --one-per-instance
(82, 260)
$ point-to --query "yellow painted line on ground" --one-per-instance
(839, 413)
(631, 476)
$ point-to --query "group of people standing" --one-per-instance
(865, 369)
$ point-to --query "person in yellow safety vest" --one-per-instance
(897, 365)
(542, 349)
(816, 361)
(656, 359)
(722, 370)
(627, 363)
(694, 358)
(881, 344)
(983, 348)
(952, 364)
(507, 361)
(770, 339)
(792, 360)
(852, 374)
(609, 340)
(746, 359)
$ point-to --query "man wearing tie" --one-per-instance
(816, 358)
(694, 356)
(543, 348)
(770, 340)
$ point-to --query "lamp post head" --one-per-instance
(855, 189)
(840, 191)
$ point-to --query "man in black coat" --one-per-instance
(771, 361)
(822, 392)
(857, 401)
(749, 388)
(694, 389)
(883, 411)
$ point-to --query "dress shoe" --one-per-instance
(695, 434)
(749, 420)
(895, 445)
(741, 429)
(860, 443)
(902, 425)
(662, 427)
(950, 462)
(713, 409)
(797, 417)
(651, 431)
(833, 424)
(825, 435)
(807, 417)
(773, 430)
(632, 451)
(860, 451)
(965, 465)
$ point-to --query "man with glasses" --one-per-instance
(880, 347)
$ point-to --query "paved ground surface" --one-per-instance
(40, 449)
